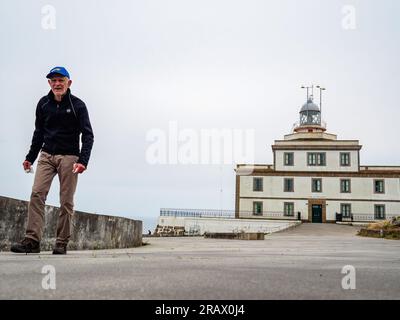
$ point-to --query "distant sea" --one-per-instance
(149, 223)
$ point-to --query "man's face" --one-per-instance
(59, 85)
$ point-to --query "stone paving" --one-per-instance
(301, 263)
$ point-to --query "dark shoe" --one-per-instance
(60, 248)
(27, 245)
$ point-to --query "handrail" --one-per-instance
(230, 214)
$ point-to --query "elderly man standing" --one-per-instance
(60, 120)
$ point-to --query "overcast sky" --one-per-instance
(139, 65)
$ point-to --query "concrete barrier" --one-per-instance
(90, 231)
(199, 226)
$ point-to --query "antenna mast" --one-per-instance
(320, 99)
(312, 91)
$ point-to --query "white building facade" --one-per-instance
(316, 178)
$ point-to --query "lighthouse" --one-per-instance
(316, 177)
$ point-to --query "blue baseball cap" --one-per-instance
(58, 70)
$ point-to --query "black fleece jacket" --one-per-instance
(58, 126)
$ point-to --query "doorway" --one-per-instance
(316, 213)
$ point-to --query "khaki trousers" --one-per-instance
(48, 166)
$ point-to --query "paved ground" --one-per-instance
(301, 263)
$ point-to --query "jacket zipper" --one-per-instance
(54, 147)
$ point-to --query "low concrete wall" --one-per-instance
(199, 226)
(90, 231)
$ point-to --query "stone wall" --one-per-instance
(90, 231)
(169, 231)
(388, 234)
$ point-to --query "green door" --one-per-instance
(316, 213)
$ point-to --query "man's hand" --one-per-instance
(27, 166)
(78, 168)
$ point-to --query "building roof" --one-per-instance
(309, 106)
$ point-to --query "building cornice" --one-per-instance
(361, 174)
(315, 147)
(326, 199)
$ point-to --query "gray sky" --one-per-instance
(206, 64)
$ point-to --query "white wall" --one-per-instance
(300, 161)
(225, 225)
(274, 205)
(357, 207)
(361, 188)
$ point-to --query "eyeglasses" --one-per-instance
(55, 80)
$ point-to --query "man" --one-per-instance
(60, 119)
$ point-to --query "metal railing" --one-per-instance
(297, 124)
(272, 215)
(269, 215)
(230, 214)
(367, 217)
(198, 213)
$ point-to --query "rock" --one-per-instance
(396, 222)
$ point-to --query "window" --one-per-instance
(379, 186)
(288, 159)
(257, 208)
(345, 159)
(316, 185)
(288, 209)
(316, 159)
(379, 211)
(345, 185)
(288, 185)
(257, 184)
(345, 210)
